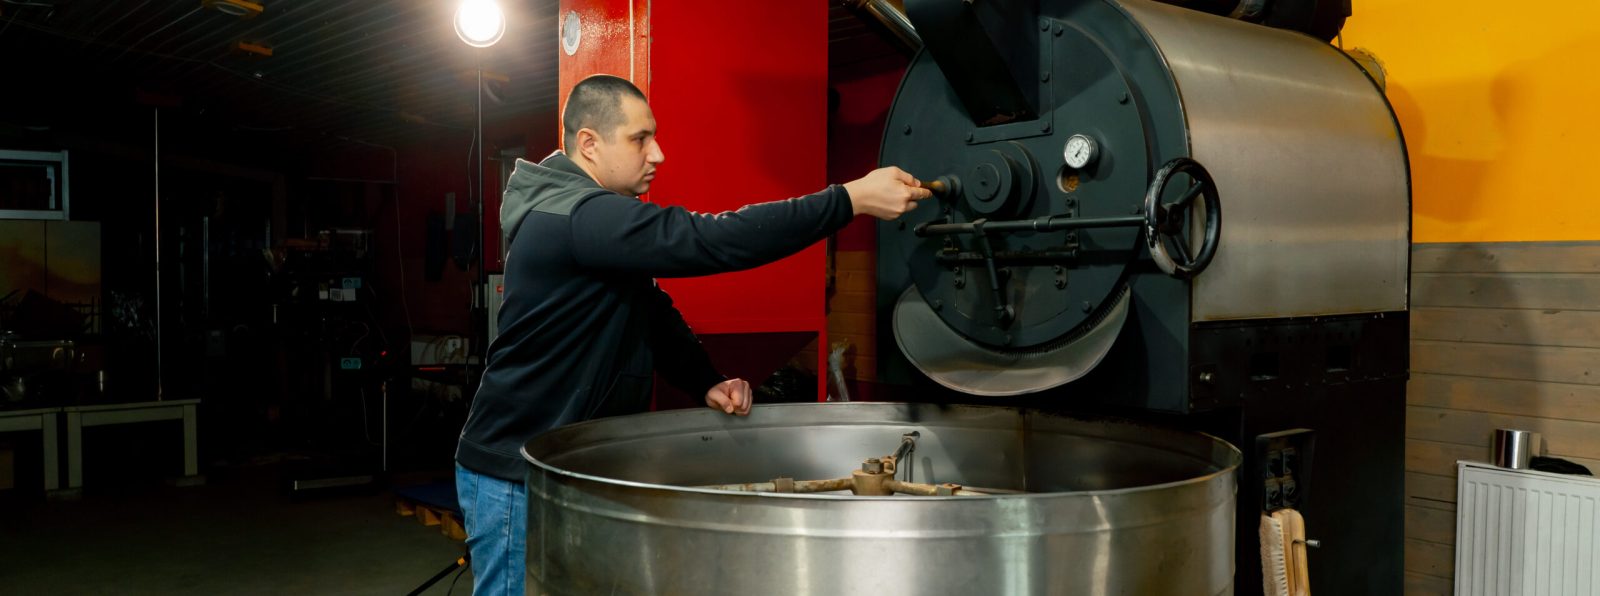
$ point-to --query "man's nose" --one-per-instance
(655, 156)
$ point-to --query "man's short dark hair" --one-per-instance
(596, 104)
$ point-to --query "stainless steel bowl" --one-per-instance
(1108, 508)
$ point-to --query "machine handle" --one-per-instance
(943, 186)
(1167, 220)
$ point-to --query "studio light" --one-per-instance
(480, 23)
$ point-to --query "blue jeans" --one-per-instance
(495, 513)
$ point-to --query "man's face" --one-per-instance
(627, 157)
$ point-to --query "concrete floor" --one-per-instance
(238, 534)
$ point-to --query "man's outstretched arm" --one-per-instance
(613, 232)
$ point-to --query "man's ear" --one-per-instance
(588, 143)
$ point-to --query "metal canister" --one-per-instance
(1514, 448)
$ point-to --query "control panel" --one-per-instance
(1284, 467)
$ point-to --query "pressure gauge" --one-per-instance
(1081, 150)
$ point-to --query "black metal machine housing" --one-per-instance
(1164, 214)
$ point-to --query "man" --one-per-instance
(584, 324)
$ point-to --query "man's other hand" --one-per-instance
(731, 396)
(885, 193)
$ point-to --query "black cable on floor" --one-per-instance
(453, 581)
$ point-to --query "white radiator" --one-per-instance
(1526, 533)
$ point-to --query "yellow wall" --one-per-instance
(1500, 103)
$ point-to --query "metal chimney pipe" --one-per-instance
(892, 18)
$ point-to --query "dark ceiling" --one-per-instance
(383, 71)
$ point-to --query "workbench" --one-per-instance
(79, 417)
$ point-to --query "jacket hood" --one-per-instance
(554, 185)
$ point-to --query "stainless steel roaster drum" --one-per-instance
(878, 499)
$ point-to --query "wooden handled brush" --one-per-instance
(1284, 568)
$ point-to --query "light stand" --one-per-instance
(480, 24)
(483, 258)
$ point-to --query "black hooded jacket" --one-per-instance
(584, 324)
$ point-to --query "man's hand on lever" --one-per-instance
(731, 397)
(885, 193)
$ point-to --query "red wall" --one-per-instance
(742, 111)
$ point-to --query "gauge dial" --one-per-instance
(1080, 151)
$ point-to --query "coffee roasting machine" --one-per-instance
(1157, 210)
(1165, 267)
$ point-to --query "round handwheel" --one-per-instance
(1167, 221)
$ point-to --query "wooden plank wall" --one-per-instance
(1503, 335)
(851, 316)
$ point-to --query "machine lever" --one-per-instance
(1159, 221)
(943, 186)
(1048, 223)
(1003, 312)
(907, 449)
